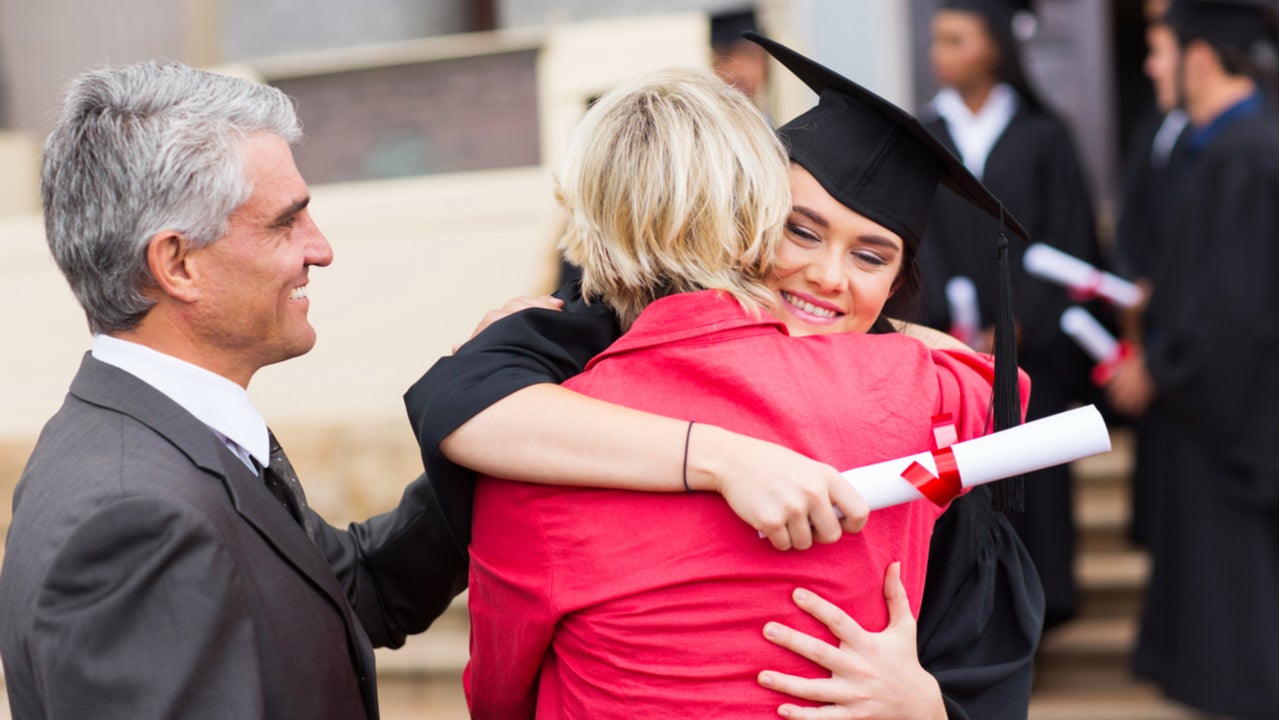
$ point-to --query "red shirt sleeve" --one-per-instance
(513, 614)
(964, 389)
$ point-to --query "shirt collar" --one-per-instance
(976, 133)
(214, 400)
(689, 315)
(1199, 138)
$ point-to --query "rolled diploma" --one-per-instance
(1043, 443)
(1101, 345)
(962, 300)
(1051, 264)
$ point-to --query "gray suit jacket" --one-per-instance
(149, 573)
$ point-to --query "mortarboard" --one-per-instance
(879, 161)
(1236, 24)
(727, 28)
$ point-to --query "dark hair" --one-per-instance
(1011, 69)
(904, 304)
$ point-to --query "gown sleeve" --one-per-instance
(983, 607)
(527, 348)
(982, 612)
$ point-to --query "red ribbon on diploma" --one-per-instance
(946, 486)
(1103, 371)
(941, 489)
(1088, 290)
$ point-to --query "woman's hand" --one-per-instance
(788, 497)
(873, 675)
(514, 305)
(932, 339)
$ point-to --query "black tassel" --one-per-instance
(1007, 495)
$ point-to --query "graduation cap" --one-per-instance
(879, 161)
(1001, 13)
(727, 28)
(1239, 25)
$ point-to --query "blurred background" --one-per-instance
(432, 128)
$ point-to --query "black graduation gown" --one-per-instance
(1141, 235)
(1209, 628)
(1034, 170)
(982, 610)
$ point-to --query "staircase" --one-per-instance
(1082, 671)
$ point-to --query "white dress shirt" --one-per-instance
(976, 133)
(214, 400)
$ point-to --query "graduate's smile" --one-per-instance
(810, 309)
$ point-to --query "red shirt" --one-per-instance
(603, 603)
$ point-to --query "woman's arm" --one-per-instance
(873, 675)
(932, 339)
(548, 434)
(493, 407)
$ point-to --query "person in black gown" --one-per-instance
(1143, 225)
(1209, 628)
(981, 614)
(988, 113)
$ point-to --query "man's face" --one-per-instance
(253, 281)
(1161, 65)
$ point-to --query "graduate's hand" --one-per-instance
(932, 338)
(873, 675)
(1131, 389)
(788, 497)
(514, 305)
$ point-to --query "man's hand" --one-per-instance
(1131, 389)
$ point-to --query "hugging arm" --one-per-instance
(494, 407)
(977, 635)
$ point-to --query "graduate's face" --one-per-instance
(961, 50)
(835, 269)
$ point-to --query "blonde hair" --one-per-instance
(673, 182)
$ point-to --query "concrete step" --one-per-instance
(1112, 584)
(1137, 702)
(1101, 513)
(1109, 467)
(1087, 655)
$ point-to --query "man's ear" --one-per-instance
(167, 257)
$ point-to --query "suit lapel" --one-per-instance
(108, 386)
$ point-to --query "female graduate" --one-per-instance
(989, 115)
(982, 662)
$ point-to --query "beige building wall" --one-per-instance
(19, 167)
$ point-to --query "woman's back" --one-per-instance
(599, 603)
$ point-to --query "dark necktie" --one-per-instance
(282, 481)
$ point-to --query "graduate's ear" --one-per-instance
(168, 256)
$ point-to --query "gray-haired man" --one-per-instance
(162, 561)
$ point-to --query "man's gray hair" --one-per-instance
(138, 150)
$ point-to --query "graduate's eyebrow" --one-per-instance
(820, 220)
(297, 207)
(812, 214)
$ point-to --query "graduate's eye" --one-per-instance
(868, 257)
(802, 234)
